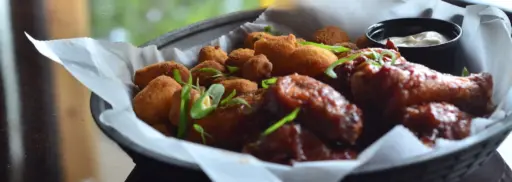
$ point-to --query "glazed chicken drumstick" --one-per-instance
(437, 120)
(324, 111)
(392, 88)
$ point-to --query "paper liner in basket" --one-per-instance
(107, 69)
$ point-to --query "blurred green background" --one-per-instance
(138, 21)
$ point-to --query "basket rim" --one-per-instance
(98, 105)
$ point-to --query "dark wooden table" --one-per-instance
(28, 129)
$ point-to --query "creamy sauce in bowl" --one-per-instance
(423, 39)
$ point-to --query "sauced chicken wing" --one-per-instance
(292, 143)
(406, 84)
(323, 110)
(437, 120)
(229, 127)
(345, 71)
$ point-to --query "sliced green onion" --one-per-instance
(201, 131)
(216, 73)
(377, 57)
(267, 82)
(199, 110)
(232, 69)
(390, 54)
(286, 119)
(185, 98)
(229, 97)
(330, 70)
(336, 49)
(177, 76)
(465, 72)
(237, 101)
(268, 29)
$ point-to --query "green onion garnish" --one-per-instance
(336, 49)
(465, 72)
(267, 29)
(199, 110)
(177, 76)
(201, 131)
(229, 97)
(267, 82)
(216, 73)
(232, 69)
(286, 119)
(330, 70)
(185, 97)
(390, 54)
(237, 101)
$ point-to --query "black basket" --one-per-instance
(450, 165)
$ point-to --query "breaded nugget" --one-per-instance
(144, 75)
(257, 68)
(212, 53)
(222, 78)
(363, 42)
(255, 36)
(174, 111)
(241, 86)
(331, 35)
(206, 77)
(152, 104)
(238, 57)
(310, 60)
(277, 52)
(162, 128)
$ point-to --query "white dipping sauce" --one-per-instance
(428, 38)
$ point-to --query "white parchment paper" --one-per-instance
(107, 69)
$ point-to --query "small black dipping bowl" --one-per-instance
(440, 57)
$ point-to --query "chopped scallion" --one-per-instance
(267, 82)
(336, 49)
(201, 132)
(465, 72)
(236, 101)
(184, 102)
(286, 119)
(232, 69)
(200, 109)
(330, 70)
(229, 97)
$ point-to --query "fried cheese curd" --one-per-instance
(204, 73)
(310, 61)
(239, 57)
(145, 75)
(277, 51)
(331, 35)
(214, 53)
(152, 104)
(242, 86)
(257, 68)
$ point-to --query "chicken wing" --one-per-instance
(323, 110)
(394, 87)
(437, 120)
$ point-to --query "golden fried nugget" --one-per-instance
(241, 86)
(144, 75)
(222, 78)
(277, 52)
(152, 104)
(255, 36)
(257, 68)
(238, 57)
(310, 61)
(212, 53)
(331, 35)
(363, 42)
(174, 111)
(206, 77)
